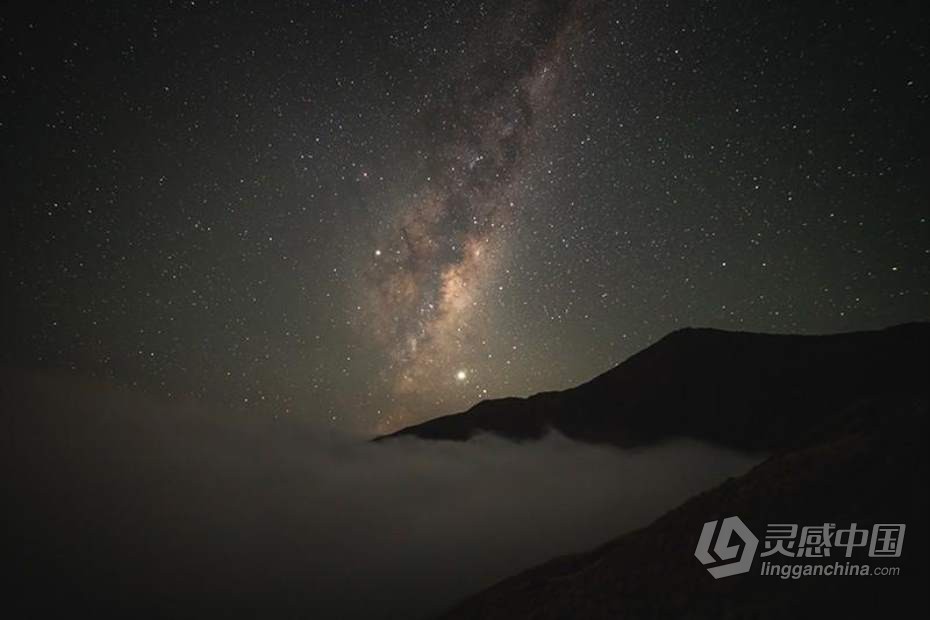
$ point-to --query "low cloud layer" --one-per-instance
(137, 505)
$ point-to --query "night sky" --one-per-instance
(368, 214)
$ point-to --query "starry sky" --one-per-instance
(368, 214)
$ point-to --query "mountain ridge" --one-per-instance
(868, 465)
(740, 389)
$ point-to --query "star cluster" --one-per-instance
(373, 213)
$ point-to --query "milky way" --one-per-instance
(370, 214)
(449, 237)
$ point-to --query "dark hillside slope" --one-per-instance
(744, 390)
(866, 465)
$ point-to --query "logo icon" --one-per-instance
(744, 550)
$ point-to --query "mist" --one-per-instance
(118, 503)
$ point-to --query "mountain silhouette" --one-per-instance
(865, 465)
(743, 390)
(844, 419)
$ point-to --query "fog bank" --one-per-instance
(120, 503)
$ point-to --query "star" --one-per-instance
(400, 220)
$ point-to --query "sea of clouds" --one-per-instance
(121, 504)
